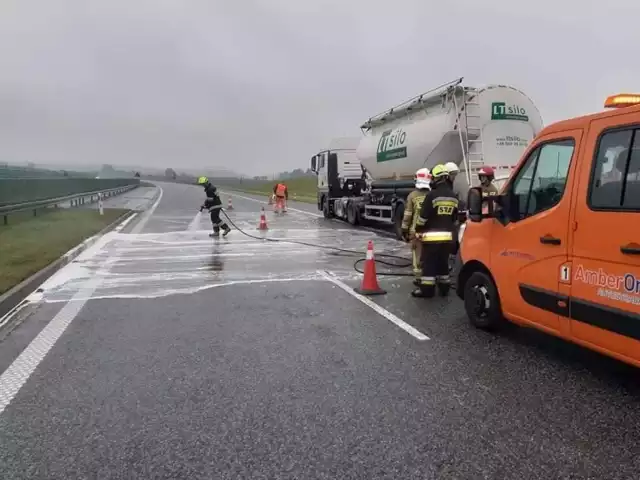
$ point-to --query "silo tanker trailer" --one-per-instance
(368, 182)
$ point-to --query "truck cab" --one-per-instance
(339, 174)
(559, 248)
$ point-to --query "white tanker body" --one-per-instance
(471, 127)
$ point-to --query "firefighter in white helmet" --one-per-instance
(453, 170)
(411, 212)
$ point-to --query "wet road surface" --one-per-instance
(160, 353)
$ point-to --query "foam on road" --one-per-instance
(161, 353)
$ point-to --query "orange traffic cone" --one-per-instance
(229, 204)
(369, 285)
(263, 220)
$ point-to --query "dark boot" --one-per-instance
(215, 234)
(425, 291)
(443, 289)
(225, 230)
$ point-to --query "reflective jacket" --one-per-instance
(438, 215)
(489, 191)
(412, 210)
(281, 190)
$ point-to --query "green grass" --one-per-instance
(300, 189)
(28, 243)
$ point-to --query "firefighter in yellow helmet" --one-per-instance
(214, 205)
(411, 212)
(435, 229)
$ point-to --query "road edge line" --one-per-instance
(375, 307)
(18, 373)
(148, 213)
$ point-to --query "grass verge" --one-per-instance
(300, 189)
(28, 243)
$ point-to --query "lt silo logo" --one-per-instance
(503, 111)
(392, 145)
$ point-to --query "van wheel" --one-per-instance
(352, 214)
(482, 302)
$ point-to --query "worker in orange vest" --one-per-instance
(281, 193)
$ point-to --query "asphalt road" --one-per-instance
(161, 353)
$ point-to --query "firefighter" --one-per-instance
(486, 176)
(453, 170)
(281, 194)
(411, 213)
(214, 205)
(435, 229)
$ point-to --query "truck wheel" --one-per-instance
(352, 214)
(326, 209)
(397, 220)
(482, 302)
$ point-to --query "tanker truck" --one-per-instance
(367, 180)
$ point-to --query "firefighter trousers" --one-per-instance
(216, 221)
(416, 251)
(435, 265)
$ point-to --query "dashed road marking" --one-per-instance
(14, 377)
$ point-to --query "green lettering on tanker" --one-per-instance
(392, 145)
(503, 111)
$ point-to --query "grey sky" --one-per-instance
(259, 86)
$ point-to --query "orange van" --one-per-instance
(559, 249)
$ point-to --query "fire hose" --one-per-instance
(378, 258)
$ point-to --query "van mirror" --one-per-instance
(474, 204)
(314, 164)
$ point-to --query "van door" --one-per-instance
(529, 251)
(605, 287)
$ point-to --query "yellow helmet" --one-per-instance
(202, 180)
(439, 171)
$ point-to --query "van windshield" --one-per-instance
(552, 172)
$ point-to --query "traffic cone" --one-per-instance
(369, 285)
(263, 220)
(229, 204)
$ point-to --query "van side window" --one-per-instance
(615, 183)
(539, 185)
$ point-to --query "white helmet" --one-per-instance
(423, 178)
(451, 168)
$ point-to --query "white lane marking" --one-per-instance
(147, 215)
(14, 377)
(126, 222)
(288, 208)
(195, 223)
(375, 307)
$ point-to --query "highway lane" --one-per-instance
(171, 355)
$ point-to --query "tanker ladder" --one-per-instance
(468, 119)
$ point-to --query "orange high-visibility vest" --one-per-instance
(280, 189)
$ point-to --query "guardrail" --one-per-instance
(20, 190)
(74, 200)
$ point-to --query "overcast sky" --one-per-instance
(258, 86)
